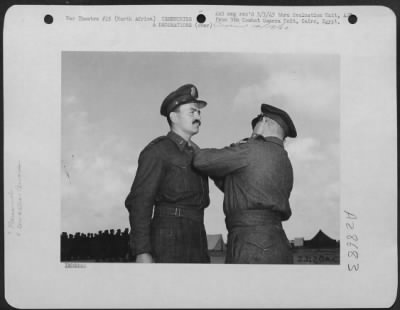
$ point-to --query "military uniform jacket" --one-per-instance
(257, 174)
(164, 177)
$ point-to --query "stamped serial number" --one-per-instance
(74, 265)
(352, 245)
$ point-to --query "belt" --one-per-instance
(193, 214)
(252, 218)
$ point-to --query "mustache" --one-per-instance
(197, 121)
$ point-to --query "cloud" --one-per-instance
(131, 169)
(70, 100)
(97, 173)
(305, 149)
(298, 93)
(99, 185)
(332, 193)
(315, 199)
(315, 205)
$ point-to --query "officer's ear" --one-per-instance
(259, 127)
(173, 116)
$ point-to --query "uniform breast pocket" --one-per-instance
(176, 178)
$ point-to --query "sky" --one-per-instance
(111, 111)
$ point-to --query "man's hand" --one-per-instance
(144, 258)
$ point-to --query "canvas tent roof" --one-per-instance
(215, 242)
(320, 240)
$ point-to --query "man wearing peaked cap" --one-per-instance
(185, 94)
(279, 116)
(168, 197)
(256, 177)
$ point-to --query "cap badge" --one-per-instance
(192, 91)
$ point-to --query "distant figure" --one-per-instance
(64, 246)
(76, 246)
(111, 246)
(120, 255)
(257, 179)
(83, 246)
(70, 245)
(90, 246)
(98, 250)
(166, 181)
(125, 245)
(106, 245)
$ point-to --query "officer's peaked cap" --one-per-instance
(278, 115)
(187, 93)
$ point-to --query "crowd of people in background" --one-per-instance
(105, 246)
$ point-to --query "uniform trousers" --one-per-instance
(178, 240)
(257, 237)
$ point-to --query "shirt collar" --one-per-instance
(274, 140)
(270, 139)
(179, 141)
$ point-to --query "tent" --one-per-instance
(215, 242)
(320, 240)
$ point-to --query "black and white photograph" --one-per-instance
(115, 129)
(200, 156)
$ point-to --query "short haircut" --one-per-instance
(177, 109)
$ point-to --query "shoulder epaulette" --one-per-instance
(245, 140)
(155, 141)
